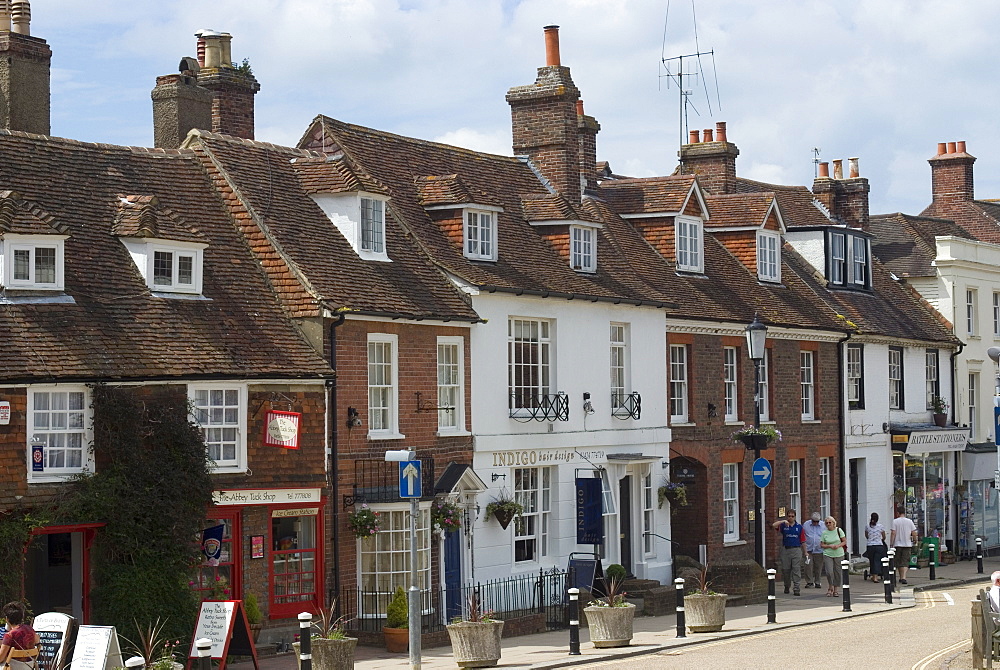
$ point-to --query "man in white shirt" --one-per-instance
(994, 592)
(904, 534)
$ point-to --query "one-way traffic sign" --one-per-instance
(409, 479)
(761, 472)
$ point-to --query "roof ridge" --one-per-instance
(257, 144)
(68, 142)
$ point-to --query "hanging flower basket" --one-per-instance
(504, 509)
(364, 521)
(757, 437)
(446, 516)
(674, 493)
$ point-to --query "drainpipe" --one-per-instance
(954, 364)
(333, 456)
(845, 466)
(954, 419)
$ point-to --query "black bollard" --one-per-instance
(204, 646)
(772, 616)
(886, 582)
(305, 641)
(574, 622)
(845, 583)
(679, 592)
(892, 572)
(979, 554)
(933, 556)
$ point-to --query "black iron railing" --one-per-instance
(376, 481)
(626, 406)
(532, 407)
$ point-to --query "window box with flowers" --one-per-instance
(446, 516)
(757, 437)
(364, 521)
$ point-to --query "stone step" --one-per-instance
(639, 587)
(735, 601)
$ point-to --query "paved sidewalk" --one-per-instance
(652, 634)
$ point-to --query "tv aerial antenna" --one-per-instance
(675, 72)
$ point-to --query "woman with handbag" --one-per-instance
(876, 549)
(834, 543)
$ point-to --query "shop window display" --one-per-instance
(293, 561)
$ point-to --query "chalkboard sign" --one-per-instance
(225, 623)
(56, 634)
(589, 573)
(97, 649)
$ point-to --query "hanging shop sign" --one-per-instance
(266, 496)
(281, 429)
(589, 518)
(928, 441)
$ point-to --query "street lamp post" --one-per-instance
(994, 353)
(756, 334)
(414, 623)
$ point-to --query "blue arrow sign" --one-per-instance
(996, 426)
(761, 472)
(409, 479)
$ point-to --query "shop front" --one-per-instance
(978, 498)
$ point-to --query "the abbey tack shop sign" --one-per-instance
(266, 496)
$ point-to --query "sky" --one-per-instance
(882, 80)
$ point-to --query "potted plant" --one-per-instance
(364, 521)
(397, 623)
(504, 508)
(672, 492)
(254, 616)
(705, 610)
(939, 408)
(156, 650)
(330, 647)
(757, 437)
(475, 640)
(446, 516)
(610, 617)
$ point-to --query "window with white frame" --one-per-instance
(838, 258)
(58, 419)
(533, 490)
(678, 383)
(807, 375)
(971, 311)
(528, 361)
(795, 486)
(859, 261)
(730, 502)
(220, 411)
(824, 487)
(451, 384)
(619, 366)
(895, 378)
(384, 558)
(480, 235)
(996, 314)
(647, 513)
(849, 259)
(768, 256)
(383, 389)
(168, 266)
(763, 398)
(688, 242)
(855, 376)
(931, 375)
(973, 392)
(583, 248)
(33, 261)
(731, 382)
(609, 512)
(372, 225)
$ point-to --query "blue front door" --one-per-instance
(453, 574)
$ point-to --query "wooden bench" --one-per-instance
(991, 630)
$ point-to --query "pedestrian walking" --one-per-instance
(876, 549)
(834, 543)
(793, 549)
(902, 537)
(814, 552)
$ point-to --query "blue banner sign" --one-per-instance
(37, 458)
(589, 511)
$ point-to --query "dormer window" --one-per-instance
(373, 225)
(168, 266)
(688, 236)
(360, 218)
(480, 235)
(768, 256)
(583, 249)
(849, 260)
(33, 262)
(174, 270)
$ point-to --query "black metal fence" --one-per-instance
(543, 592)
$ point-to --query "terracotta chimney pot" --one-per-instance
(951, 147)
(579, 107)
(838, 168)
(693, 137)
(961, 147)
(853, 166)
(552, 45)
(707, 135)
(201, 46)
(824, 170)
(720, 131)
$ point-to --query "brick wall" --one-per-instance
(713, 162)
(951, 177)
(232, 102)
(24, 83)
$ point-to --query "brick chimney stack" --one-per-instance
(545, 124)
(24, 71)
(951, 173)
(847, 199)
(232, 90)
(179, 106)
(713, 160)
(588, 127)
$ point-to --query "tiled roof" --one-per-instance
(307, 258)
(905, 244)
(449, 189)
(799, 207)
(144, 216)
(739, 209)
(114, 328)
(542, 207)
(980, 218)
(334, 175)
(647, 195)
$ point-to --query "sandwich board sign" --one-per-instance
(96, 648)
(56, 633)
(224, 622)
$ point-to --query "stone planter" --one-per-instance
(610, 626)
(476, 644)
(329, 654)
(705, 613)
(940, 420)
(397, 640)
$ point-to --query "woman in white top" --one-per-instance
(876, 549)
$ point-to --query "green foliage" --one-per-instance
(252, 607)
(151, 488)
(15, 532)
(616, 572)
(397, 613)
(244, 68)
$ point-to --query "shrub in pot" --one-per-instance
(254, 616)
(397, 623)
(610, 618)
(616, 572)
(704, 609)
(330, 647)
(475, 640)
